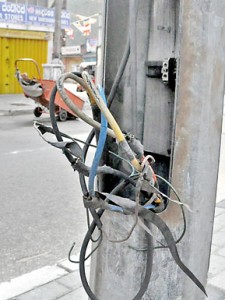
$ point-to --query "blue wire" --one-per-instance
(149, 206)
(100, 146)
(115, 208)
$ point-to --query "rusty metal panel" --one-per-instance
(155, 41)
(159, 98)
(12, 49)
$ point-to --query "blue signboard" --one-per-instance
(65, 19)
(31, 15)
(40, 16)
(12, 12)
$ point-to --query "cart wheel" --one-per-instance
(70, 116)
(63, 115)
(38, 111)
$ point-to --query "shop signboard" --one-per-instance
(40, 16)
(71, 50)
(31, 15)
(12, 13)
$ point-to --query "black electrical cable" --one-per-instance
(72, 105)
(148, 270)
(110, 99)
(50, 130)
(84, 169)
(59, 138)
(149, 216)
(86, 241)
(82, 177)
(54, 123)
(84, 187)
(85, 150)
(89, 234)
(119, 73)
(99, 240)
(83, 255)
(109, 103)
(88, 224)
(182, 212)
(133, 10)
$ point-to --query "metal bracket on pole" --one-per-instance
(154, 69)
(166, 70)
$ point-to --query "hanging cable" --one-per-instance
(73, 107)
(59, 138)
(119, 73)
(110, 99)
(182, 211)
(133, 11)
(143, 178)
(86, 241)
(115, 127)
(99, 150)
(146, 175)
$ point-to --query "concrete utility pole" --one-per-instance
(57, 36)
(181, 129)
(54, 69)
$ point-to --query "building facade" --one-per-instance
(27, 29)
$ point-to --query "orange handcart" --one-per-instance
(40, 91)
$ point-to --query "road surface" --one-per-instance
(41, 212)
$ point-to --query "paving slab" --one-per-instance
(71, 281)
(51, 291)
(221, 204)
(218, 281)
(215, 293)
(29, 281)
(78, 294)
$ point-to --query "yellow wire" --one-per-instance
(93, 93)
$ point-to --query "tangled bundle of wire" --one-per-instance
(147, 199)
(143, 179)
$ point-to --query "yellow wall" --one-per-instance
(12, 48)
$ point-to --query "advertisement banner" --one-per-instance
(91, 45)
(40, 16)
(12, 13)
(65, 19)
(28, 14)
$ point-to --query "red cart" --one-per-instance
(40, 91)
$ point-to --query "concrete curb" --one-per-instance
(29, 281)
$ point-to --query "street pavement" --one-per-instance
(62, 281)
